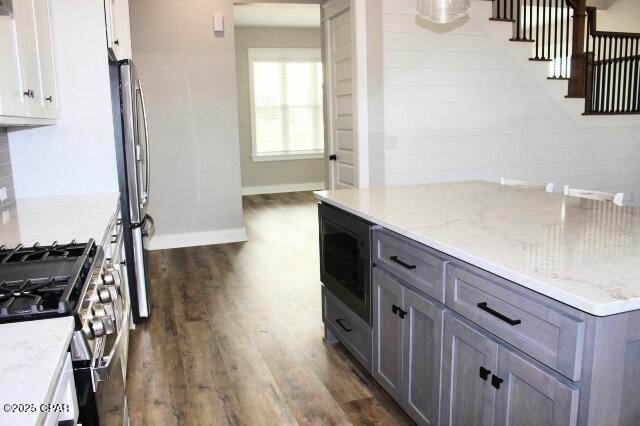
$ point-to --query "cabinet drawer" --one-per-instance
(351, 330)
(541, 330)
(417, 265)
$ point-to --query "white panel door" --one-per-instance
(340, 79)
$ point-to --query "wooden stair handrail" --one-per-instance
(591, 13)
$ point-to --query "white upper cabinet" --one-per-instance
(12, 101)
(27, 80)
(118, 29)
(48, 97)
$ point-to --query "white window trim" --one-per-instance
(280, 55)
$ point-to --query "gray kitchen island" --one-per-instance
(488, 304)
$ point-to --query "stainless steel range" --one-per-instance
(84, 280)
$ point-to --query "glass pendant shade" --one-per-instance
(443, 11)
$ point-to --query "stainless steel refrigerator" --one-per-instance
(132, 152)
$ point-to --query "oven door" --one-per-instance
(345, 258)
(101, 385)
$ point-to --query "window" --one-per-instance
(286, 104)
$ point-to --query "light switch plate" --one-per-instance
(218, 23)
(3, 193)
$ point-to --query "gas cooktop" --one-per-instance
(43, 281)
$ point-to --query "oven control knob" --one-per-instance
(104, 294)
(102, 320)
(112, 277)
(97, 327)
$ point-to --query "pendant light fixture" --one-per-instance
(443, 11)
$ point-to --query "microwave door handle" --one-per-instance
(146, 143)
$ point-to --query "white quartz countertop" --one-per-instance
(62, 219)
(31, 358)
(581, 252)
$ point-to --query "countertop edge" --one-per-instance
(54, 380)
(577, 302)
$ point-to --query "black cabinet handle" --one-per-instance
(401, 263)
(116, 42)
(484, 373)
(496, 381)
(50, 99)
(333, 157)
(485, 307)
(344, 327)
(398, 311)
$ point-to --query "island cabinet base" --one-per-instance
(453, 344)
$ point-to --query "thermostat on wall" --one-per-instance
(218, 23)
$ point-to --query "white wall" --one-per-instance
(189, 77)
(77, 155)
(462, 103)
(269, 176)
(620, 16)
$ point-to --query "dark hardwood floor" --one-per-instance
(235, 335)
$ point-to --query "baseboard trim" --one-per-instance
(192, 239)
(278, 189)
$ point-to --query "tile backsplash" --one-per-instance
(6, 174)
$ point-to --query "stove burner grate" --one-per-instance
(42, 281)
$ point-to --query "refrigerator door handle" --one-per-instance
(146, 231)
(147, 159)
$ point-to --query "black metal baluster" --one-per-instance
(618, 72)
(549, 31)
(636, 92)
(605, 64)
(511, 10)
(569, 44)
(598, 74)
(555, 43)
(530, 19)
(562, 57)
(544, 14)
(537, 27)
(524, 18)
(625, 73)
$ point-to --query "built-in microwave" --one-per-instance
(345, 258)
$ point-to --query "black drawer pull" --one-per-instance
(401, 263)
(344, 327)
(484, 373)
(398, 311)
(484, 306)
(496, 381)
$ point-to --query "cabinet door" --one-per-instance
(469, 358)
(12, 100)
(113, 43)
(530, 396)
(422, 358)
(387, 336)
(47, 99)
(122, 29)
(28, 51)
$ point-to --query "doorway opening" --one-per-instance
(280, 97)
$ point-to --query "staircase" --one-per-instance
(600, 66)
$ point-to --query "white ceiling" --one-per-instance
(277, 15)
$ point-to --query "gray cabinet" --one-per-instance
(422, 355)
(407, 347)
(487, 383)
(469, 359)
(530, 396)
(387, 333)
